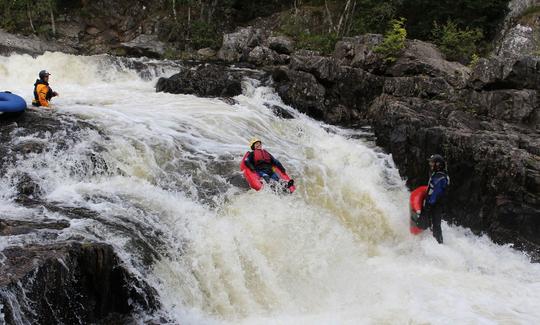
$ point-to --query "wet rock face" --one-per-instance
(59, 281)
(235, 44)
(494, 176)
(280, 44)
(208, 80)
(145, 45)
(486, 122)
(10, 43)
(17, 227)
(323, 89)
(506, 73)
(70, 283)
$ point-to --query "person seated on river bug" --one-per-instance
(261, 161)
(42, 91)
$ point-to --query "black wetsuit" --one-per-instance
(434, 203)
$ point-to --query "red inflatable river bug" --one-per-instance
(416, 202)
(254, 180)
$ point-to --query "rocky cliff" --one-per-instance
(484, 119)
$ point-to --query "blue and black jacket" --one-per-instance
(438, 183)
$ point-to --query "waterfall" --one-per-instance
(156, 176)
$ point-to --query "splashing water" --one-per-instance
(156, 172)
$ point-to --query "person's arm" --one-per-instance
(277, 163)
(42, 95)
(249, 161)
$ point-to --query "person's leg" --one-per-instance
(436, 227)
(264, 175)
(275, 177)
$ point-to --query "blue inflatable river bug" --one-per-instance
(11, 103)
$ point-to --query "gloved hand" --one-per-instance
(423, 220)
(54, 93)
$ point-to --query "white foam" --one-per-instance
(337, 251)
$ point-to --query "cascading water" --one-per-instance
(156, 175)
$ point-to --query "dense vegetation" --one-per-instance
(460, 27)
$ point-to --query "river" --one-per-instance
(337, 251)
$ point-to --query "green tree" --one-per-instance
(37, 16)
(484, 14)
(457, 44)
(373, 16)
(394, 41)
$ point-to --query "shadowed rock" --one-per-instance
(204, 80)
(17, 227)
(486, 123)
(69, 283)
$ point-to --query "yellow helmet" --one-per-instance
(253, 141)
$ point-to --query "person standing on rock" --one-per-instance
(42, 91)
(437, 186)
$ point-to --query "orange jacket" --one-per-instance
(42, 94)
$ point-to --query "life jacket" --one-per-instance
(434, 180)
(48, 95)
(261, 157)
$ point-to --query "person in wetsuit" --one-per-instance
(42, 91)
(261, 161)
(437, 187)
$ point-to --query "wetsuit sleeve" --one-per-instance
(42, 95)
(438, 190)
(277, 163)
(249, 161)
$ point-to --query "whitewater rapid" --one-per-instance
(337, 251)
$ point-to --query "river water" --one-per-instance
(168, 198)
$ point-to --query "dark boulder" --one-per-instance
(511, 105)
(280, 111)
(205, 80)
(145, 45)
(323, 89)
(242, 40)
(69, 283)
(262, 55)
(506, 73)
(19, 227)
(421, 58)
(301, 90)
(280, 44)
(359, 52)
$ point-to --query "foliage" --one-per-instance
(324, 43)
(457, 44)
(204, 35)
(25, 16)
(394, 41)
(373, 16)
(485, 15)
(199, 23)
(307, 36)
(474, 60)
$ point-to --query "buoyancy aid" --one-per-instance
(438, 182)
(261, 157)
(48, 93)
